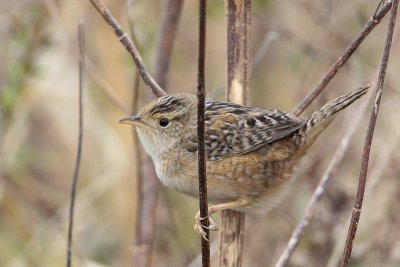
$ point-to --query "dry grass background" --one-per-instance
(39, 119)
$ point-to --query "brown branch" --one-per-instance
(369, 26)
(355, 218)
(147, 192)
(201, 95)
(129, 45)
(145, 228)
(147, 184)
(81, 34)
(147, 179)
(131, 24)
(312, 205)
(238, 79)
(165, 39)
(238, 16)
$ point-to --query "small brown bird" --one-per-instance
(251, 152)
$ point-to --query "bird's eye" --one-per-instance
(164, 122)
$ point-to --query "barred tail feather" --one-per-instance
(320, 119)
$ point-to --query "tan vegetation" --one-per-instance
(39, 122)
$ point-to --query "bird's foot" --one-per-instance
(199, 227)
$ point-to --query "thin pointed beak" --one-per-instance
(130, 120)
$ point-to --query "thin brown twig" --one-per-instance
(145, 228)
(385, 156)
(135, 93)
(130, 46)
(201, 95)
(369, 26)
(196, 262)
(81, 34)
(131, 23)
(165, 39)
(312, 205)
(136, 81)
(355, 218)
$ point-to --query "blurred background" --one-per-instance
(294, 43)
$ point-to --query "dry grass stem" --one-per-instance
(355, 218)
(81, 34)
(147, 180)
(369, 26)
(320, 190)
(201, 96)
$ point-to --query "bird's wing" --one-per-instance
(232, 129)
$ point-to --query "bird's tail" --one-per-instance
(320, 119)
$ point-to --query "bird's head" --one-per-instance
(163, 122)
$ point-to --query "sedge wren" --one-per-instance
(251, 152)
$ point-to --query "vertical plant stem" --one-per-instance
(75, 175)
(147, 179)
(168, 26)
(238, 16)
(355, 218)
(201, 94)
(147, 184)
(145, 228)
(316, 198)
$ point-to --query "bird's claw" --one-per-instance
(199, 227)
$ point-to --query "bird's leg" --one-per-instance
(198, 227)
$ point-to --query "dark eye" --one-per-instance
(164, 122)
